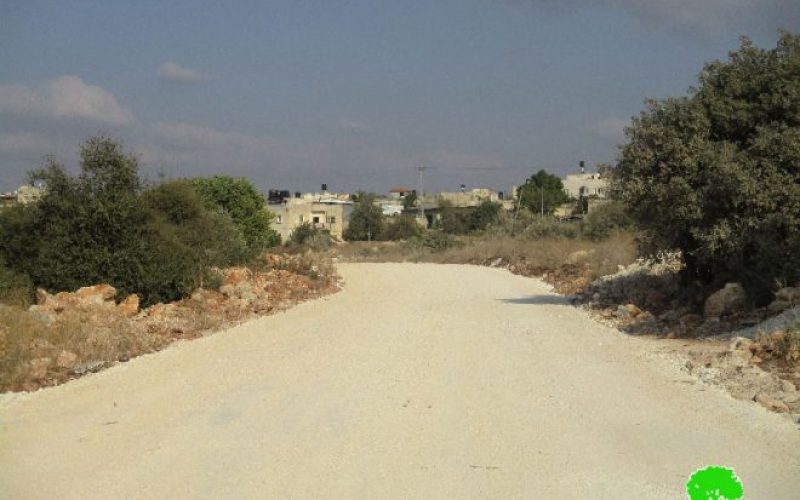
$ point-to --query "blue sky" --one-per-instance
(353, 93)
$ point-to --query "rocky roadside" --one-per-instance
(749, 352)
(69, 334)
(752, 353)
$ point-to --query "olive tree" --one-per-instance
(716, 173)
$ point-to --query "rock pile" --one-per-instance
(97, 300)
(728, 300)
(84, 331)
(739, 369)
(647, 283)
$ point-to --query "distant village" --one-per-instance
(328, 210)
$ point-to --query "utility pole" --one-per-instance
(516, 212)
(421, 169)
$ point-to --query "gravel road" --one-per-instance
(416, 381)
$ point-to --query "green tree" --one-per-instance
(240, 199)
(452, 220)
(211, 233)
(484, 215)
(543, 191)
(410, 200)
(94, 228)
(716, 173)
(366, 220)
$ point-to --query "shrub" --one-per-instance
(453, 220)
(15, 288)
(484, 215)
(309, 236)
(714, 174)
(605, 219)
(434, 240)
(240, 199)
(211, 232)
(548, 227)
(402, 227)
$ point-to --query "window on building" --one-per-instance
(300, 219)
(316, 219)
(332, 219)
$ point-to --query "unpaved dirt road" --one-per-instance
(416, 381)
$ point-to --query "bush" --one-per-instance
(604, 220)
(102, 226)
(465, 220)
(245, 205)
(15, 288)
(211, 232)
(434, 240)
(402, 227)
(309, 236)
(547, 227)
(484, 215)
(714, 174)
(452, 220)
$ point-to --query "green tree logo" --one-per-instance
(714, 483)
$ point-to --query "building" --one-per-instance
(465, 197)
(22, 196)
(587, 185)
(399, 192)
(327, 213)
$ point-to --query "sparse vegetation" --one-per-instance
(466, 220)
(15, 288)
(401, 227)
(605, 219)
(567, 258)
(783, 345)
(69, 335)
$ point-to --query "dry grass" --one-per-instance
(30, 349)
(590, 259)
(783, 345)
(41, 348)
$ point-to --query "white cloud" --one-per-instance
(176, 73)
(64, 97)
(611, 129)
(187, 135)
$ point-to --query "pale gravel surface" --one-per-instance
(416, 381)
